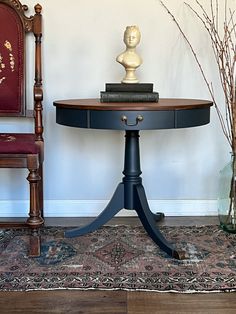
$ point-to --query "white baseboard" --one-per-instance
(91, 208)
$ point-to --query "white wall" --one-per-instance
(82, 167)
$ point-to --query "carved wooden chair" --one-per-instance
(18, 150)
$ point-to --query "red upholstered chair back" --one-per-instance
(12, 74)
(14, 26)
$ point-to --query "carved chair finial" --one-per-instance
(38, 8)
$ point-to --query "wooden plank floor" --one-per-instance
(117, 302)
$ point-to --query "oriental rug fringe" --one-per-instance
(120, 257)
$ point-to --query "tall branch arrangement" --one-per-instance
(223, 40)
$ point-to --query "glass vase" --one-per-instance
(227, 200)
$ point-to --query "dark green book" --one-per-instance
(121, 87)
(129, 97)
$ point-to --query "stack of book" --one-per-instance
(120, 92)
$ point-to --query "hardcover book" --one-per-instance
(129, 97)
(121, 87)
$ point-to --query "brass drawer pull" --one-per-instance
(124, 119)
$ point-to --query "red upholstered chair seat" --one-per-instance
(14, 143)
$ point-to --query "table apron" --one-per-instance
(132, 120)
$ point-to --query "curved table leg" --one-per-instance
(113, 207)
(158, 216)
(148, 221)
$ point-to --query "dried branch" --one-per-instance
(224, 49)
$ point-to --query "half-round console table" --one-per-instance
(132, 117)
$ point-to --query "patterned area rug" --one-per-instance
(120, 257)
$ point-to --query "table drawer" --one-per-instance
(132, 120)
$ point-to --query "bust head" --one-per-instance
(132, 36)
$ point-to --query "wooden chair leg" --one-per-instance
(41, 205)
(34, 243)
(35, 220)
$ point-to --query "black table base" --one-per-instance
(130, 194)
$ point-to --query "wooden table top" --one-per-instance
(163, 104)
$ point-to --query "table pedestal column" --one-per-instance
(130, 194)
